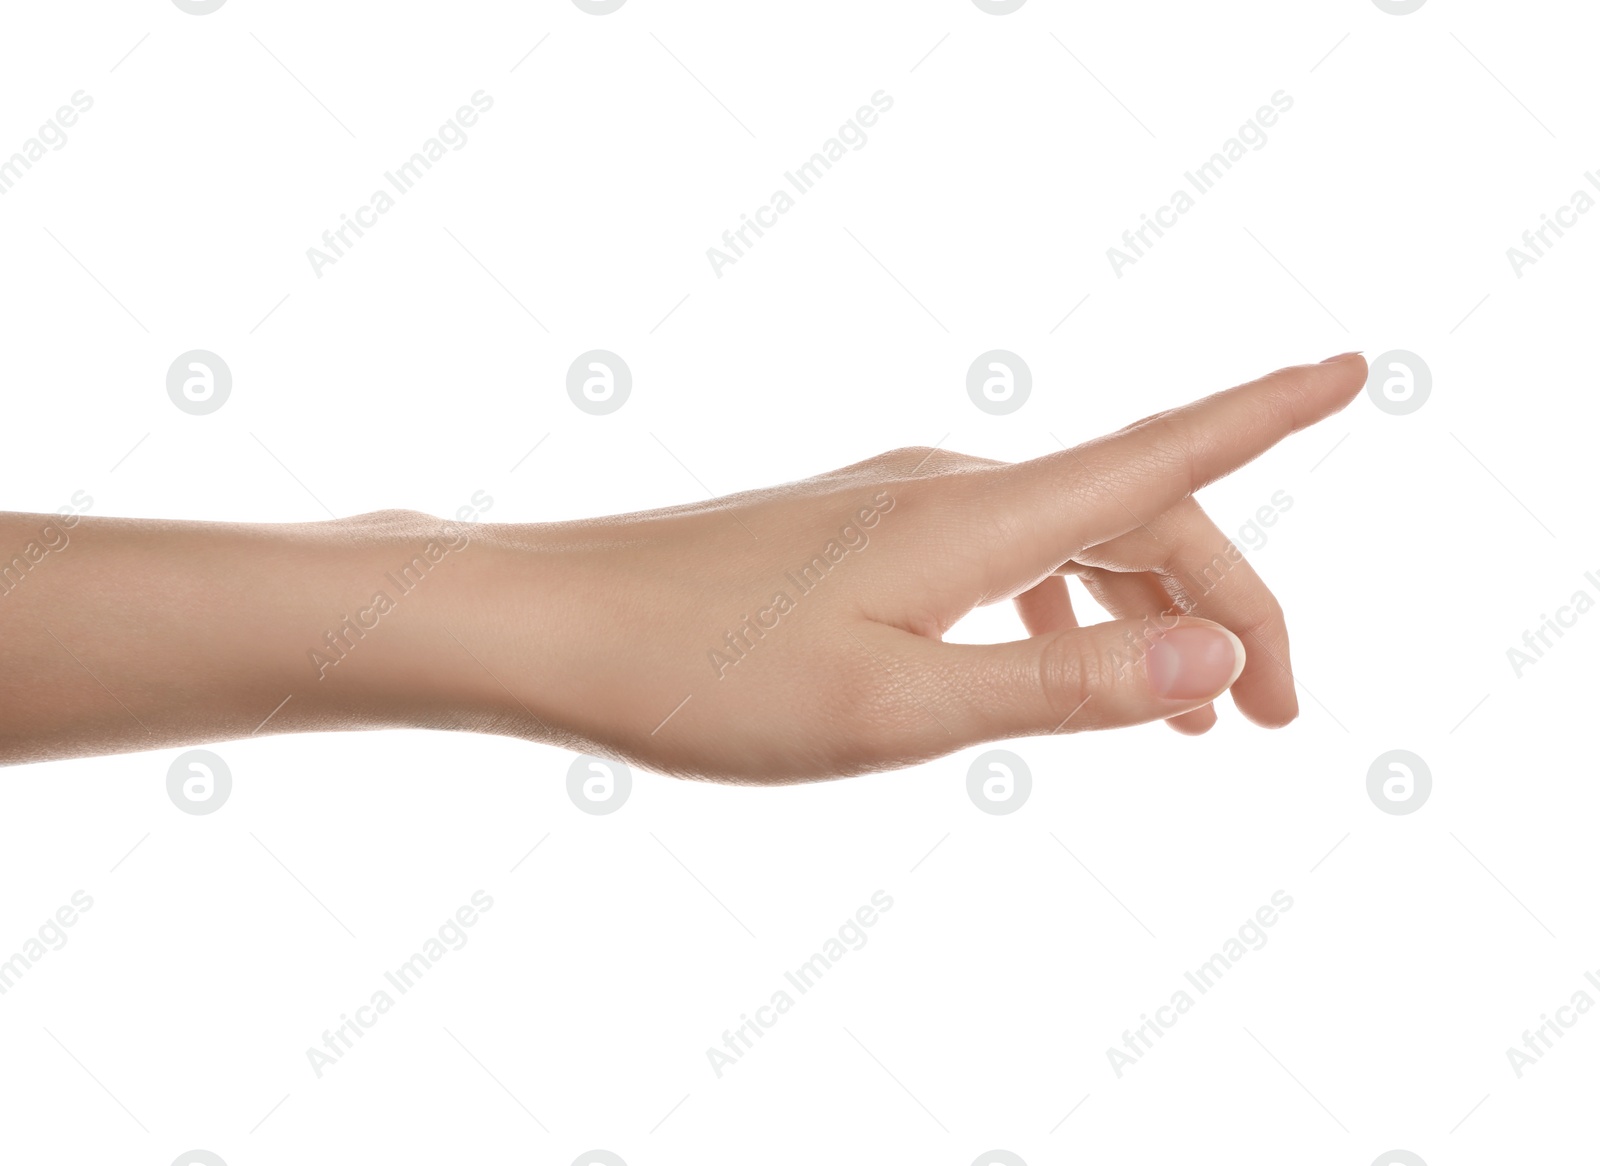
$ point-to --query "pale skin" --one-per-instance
(658, 637)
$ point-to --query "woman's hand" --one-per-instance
(795, 633)
(784, 634)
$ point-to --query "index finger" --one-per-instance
(1094, 492)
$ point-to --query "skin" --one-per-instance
(612, 636)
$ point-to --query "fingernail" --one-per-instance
(1195, 662)
(1340, 356)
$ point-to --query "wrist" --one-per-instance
(455, 624)
(388, 642)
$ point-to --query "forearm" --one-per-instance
(126, 634)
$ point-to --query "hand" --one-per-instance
(778, 635)
(795, 633)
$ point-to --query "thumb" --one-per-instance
(1125, 672)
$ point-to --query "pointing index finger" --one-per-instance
(1113, 484)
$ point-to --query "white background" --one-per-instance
(1417, 550)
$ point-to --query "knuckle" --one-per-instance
(1178, 441)
(1073, 667)
(1270, 627)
